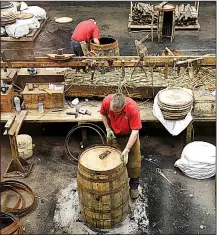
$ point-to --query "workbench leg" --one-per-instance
(189, 133)
(83, 133)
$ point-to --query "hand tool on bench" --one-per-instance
(84, 111)
(73, 113)
(46, 90)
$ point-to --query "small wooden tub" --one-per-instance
(103, 189)
(108, 47)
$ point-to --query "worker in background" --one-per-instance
(83, 33)
(121, 117)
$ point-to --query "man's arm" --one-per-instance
(96, 41)
(132, 139)
(106, 122)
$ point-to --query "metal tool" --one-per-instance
(84, 111)
(139, 62)
(93, 69)
(123, 69)
(46, 90)
(158, 170)
(73, 113)
(56, 110)
(32, 71)
(4, 87)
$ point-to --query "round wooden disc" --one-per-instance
(63, 57)
(175, 97)
(91, 160)
(64, 20)
(24, 16)
(173, 108)
(6, 5)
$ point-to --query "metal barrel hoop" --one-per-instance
(94, 127)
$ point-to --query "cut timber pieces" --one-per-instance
(18, 166)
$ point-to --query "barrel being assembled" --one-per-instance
(108, 47)
(102, 187)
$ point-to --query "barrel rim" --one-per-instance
(99, 146)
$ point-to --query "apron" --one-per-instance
(134, 158)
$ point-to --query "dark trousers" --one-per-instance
(76, 48)
(134, 183)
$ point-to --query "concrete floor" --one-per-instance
(170, 210)
(112, 18)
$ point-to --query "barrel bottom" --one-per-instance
(95, 220)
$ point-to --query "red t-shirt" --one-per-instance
(85, 30)
(127, 120)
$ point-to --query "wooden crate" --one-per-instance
(148, 27)
(33, 98)
(43, 75)
(7, 100)
(204, 106)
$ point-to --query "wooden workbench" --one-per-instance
(48, 116)
(92, 106)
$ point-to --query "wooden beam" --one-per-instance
(130, 61)
(91, 91)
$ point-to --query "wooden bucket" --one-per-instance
(103, 189)
(108, 47)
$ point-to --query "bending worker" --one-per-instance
(121, 118)
(83, 33)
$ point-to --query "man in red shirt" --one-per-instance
(121, 118)
(83, 33)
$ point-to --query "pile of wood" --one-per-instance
(7, 17)
(185, 15)
(142, 14)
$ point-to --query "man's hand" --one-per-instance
(124, 156)
(110, 134)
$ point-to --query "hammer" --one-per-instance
(73, 113)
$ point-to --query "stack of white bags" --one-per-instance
(23, 27)
(198, 160)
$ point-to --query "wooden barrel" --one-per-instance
(103, 189)
(108, 46)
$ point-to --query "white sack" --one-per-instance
(174, 127)
(17, 30)
(33, 23)
(38, 12)
(198, 160)
(23, 6)
(10, 9)
(3, 32)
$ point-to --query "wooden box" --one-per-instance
(44, 75)
(33, 97)
(7, 100)
(204, 106)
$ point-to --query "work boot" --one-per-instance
(134, 193)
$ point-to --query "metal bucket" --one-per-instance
(108, 46)
(102, 187)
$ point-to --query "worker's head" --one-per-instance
(93, 19)
(117, 103)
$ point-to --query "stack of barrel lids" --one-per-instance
(175, 103)
(7, 16)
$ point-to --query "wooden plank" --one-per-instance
(91, 91)
(43, 76)
(93, 106)
(29, 38)
(130, 61)
(20, 120)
